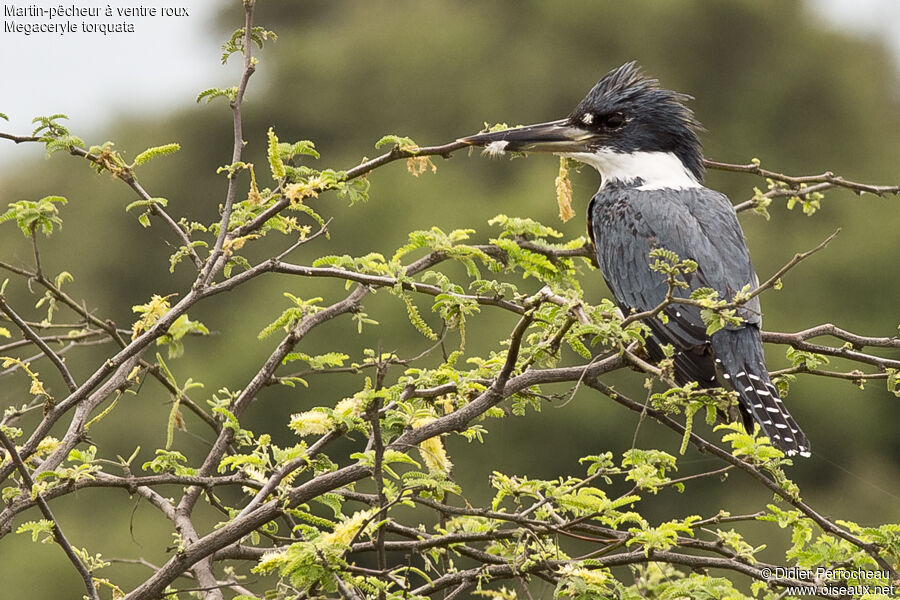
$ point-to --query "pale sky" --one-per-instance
(96, 78)
(865, 17)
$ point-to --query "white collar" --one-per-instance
(657, 170)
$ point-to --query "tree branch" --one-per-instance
(827, 177)
(704, 446)
(36, 339)
(216, 257)
(58, 534)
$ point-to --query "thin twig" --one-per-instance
(19, 139)
(58, 534)
(74, 337)
(263, 375)
(378, 471)
(826, 177)
(36, 339)
(358, 171)
(704, 446)
(799, 257)
(215, 258)
(770, 282)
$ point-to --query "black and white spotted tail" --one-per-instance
(739, 355)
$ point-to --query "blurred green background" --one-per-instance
(771, 80)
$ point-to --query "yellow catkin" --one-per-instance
(311, 422)
(432, 450)
(564, 191)
(586, 575)
(348, 407)
(296, 192)
(345, 531)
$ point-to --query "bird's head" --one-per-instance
(627, 127)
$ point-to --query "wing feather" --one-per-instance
(626, 224)
(696, 223)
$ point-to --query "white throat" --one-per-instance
(657, 170)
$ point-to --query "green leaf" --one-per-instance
(390, 457)
(320, 361)
(584, 581)
(151, 153)
(63, 278)
(811, 202)
(87, 455)
(806, 360)
(663, 537)
(185, 251)
(30, 216)
(517, 226)
(531, 263)
(40, 530)
(275, 163)
(648, 468)
(753, 447)
(235, 261)
(292, 315)
(354, 191)
(739, 545)
(761, 203)
(210, 94)
(169, 461)
(303, 147)
(235, 45)
(146, 203)
(893, 381)
(53, 134)
(179, 329)
(404, 144)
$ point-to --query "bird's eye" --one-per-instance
(614, 121)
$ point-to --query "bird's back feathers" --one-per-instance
(626, 224)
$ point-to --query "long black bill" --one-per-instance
(556, 136)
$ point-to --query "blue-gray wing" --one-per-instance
(626, 224)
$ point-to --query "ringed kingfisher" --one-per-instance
(643, 140)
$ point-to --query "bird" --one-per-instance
(644, 141)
